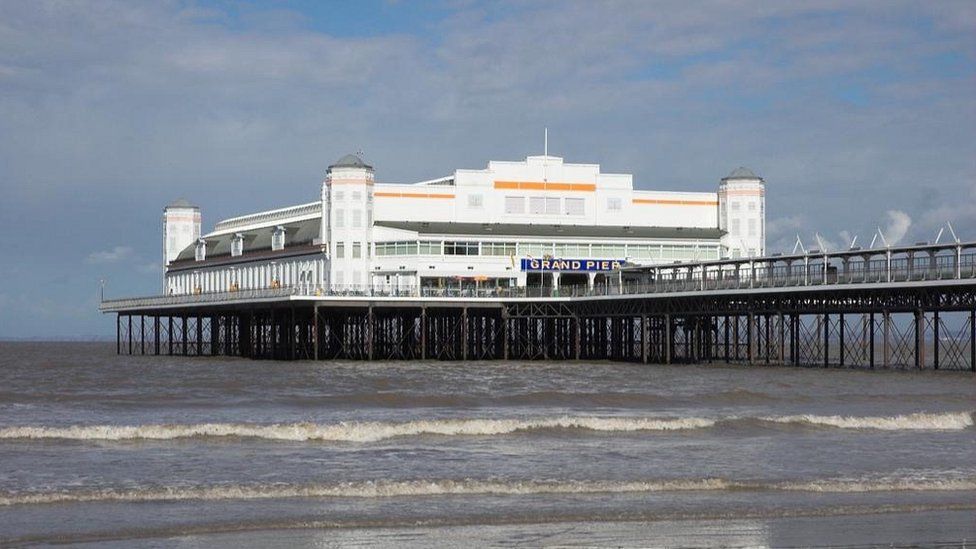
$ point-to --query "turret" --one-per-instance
(181, 228)
(742, 213)
(347, 220)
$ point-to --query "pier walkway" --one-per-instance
(905, 307)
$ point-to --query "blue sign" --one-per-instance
(549, 265)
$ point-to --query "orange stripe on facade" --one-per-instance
(412, 195)
(545, 186)
(662, 202)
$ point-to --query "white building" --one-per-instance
(537, 222)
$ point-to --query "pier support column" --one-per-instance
(751, 338)
(315, 333)
(782, 338)
(505, 323)
(871, 340)
(668, 339)
(156, 335)
(645, 339)
(464, 333)
(423, 333)
(118, 333)
(885, 339)
(919, 339)
(130, 334)
(370, 332)
(840, 320)
(826, 339)
(935, 339)
(142, 334)
(972, 340)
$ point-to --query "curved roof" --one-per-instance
(742, 173)
(350, 161)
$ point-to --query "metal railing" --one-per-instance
(653, 280)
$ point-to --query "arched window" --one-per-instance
(237, 245)
(201, 250)
(278, 238)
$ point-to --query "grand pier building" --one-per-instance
(538, 222)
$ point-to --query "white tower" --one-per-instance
(742, 213)
(181, 228)
(347, 220)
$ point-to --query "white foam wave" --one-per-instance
(952, 421)
(390, 489)
(378, 430)
(352, 431)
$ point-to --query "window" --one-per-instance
(544, 205)
(338, 196)
(498, 248)
(735, 205)
(552, 205)
(430, 248)
(535, 249)
(515, 204)
(340, 218)
(614, 204)
(340, 250)
(357, 218)
(575, 206)
(752, 205)
(237, 245)
(475, 201)
(537, 205)
(460, 248)
(752, 227)
(357, 250)
(357, 196)
(200, 253)
(278, 238)
(734, 227)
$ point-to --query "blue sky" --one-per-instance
(858, 114)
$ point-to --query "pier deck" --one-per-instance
(909, 307)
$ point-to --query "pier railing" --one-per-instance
(853, 267)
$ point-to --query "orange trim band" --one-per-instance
(675, 202)
(546, 186)
(412, 195)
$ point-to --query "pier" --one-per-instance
(910, 307)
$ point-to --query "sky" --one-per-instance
(859, 115)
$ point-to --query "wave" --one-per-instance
(911, 422)
(378, 430)
(352, 431)
(467, 487)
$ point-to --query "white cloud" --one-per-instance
(115, 255)
(896, 226)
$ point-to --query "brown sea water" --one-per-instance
(146, 451)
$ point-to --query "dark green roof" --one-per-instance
(257, 240)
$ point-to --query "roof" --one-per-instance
(350, 161)
(180, 203)
(741, 173)
(578, 231)
(256, 240)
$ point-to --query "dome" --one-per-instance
(741, 173)
(350, 161)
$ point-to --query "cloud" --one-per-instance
(110, 109)
(115, 255)
(896, 226)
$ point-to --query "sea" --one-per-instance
(102, 450)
